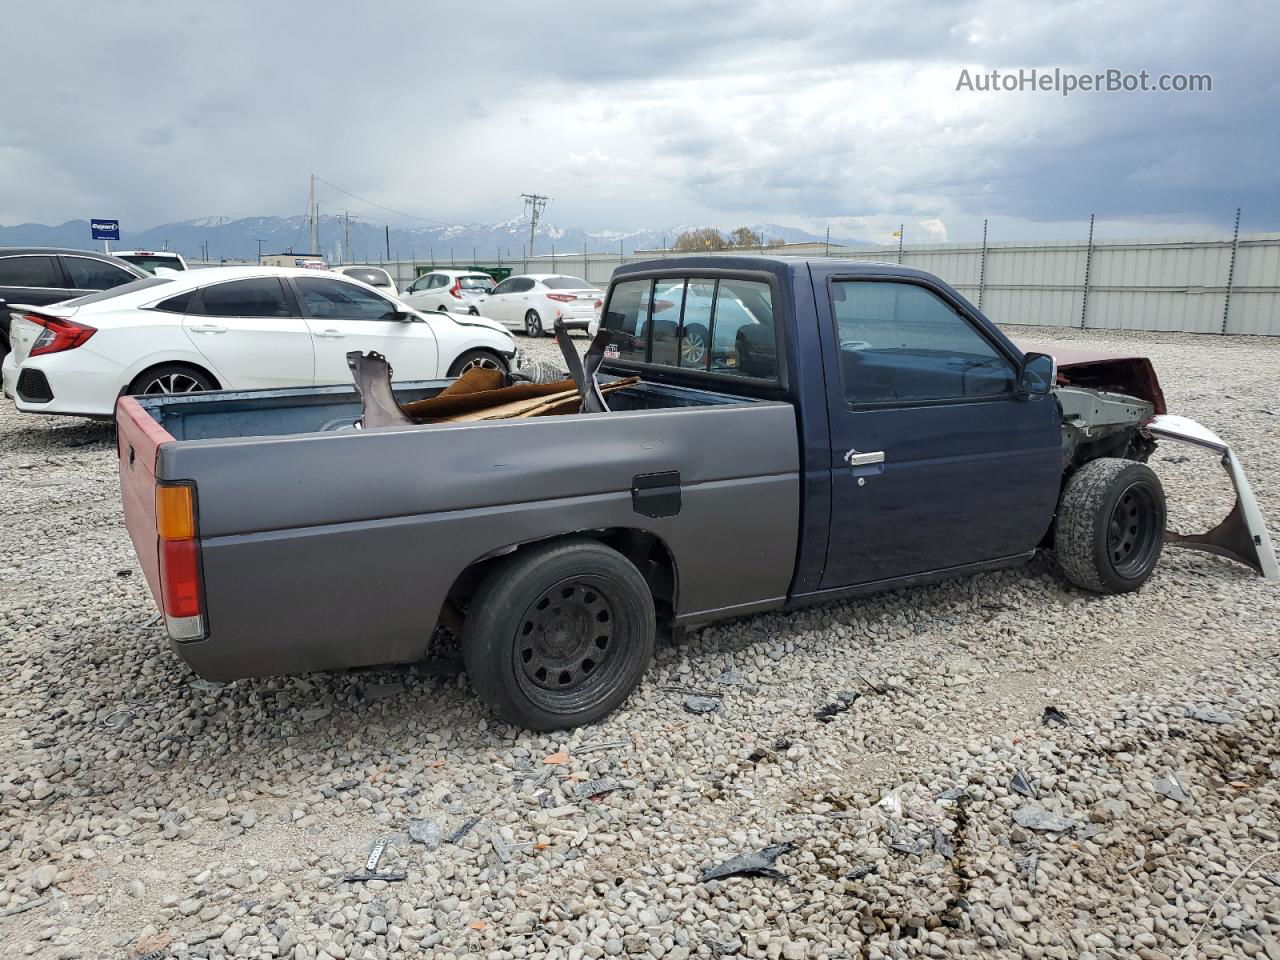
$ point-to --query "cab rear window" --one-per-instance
(721, 326)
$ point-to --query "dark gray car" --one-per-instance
(40, 275)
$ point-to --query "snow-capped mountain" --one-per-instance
(239, 239)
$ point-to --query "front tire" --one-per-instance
(478, 358)
(1109, 531)
(559, 635)
(533, 324)
(171, 378)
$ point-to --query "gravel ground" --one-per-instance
(938, 808)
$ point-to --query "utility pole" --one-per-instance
(534, 203)
(315, 217)
(346, 234)
(901, 230)
(387, 228)
(827, 252)
(258, 241)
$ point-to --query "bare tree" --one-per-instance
(704, 238)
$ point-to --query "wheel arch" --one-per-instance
(650, 554)
(154, 364)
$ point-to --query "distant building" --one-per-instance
(806, 248)
(312, 261)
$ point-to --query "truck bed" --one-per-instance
(325, 546)
(295, 410)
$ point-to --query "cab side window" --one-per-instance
(719, 326)
(902, 343)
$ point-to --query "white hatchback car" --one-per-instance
(448, 291)
(229, 328)
(375, 277)
(533, 302)
(148, 260)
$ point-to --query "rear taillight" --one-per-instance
(179, 550)
(456, 290)
(599, 304)
(58, 334)
(562, 297)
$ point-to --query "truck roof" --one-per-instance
(679, 265)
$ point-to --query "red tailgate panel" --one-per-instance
(139, 438)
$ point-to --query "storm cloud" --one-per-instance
(836, 114)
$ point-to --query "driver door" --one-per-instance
(936, 461)
(343, 316)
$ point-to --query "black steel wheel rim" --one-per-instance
(569, 644)
(1133, 533)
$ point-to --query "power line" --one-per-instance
(373, 203)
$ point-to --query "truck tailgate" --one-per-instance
(139, 438)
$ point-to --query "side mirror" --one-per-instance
(406, 316)
(1037, 375)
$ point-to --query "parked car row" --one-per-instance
(530, 302)
(228, 328)
(79, 329)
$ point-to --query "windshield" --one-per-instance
(130, 287)
(566, 283)
(149, 261)
(374, 278)
(477, 282)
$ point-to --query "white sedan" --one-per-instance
(229, 328)
(533, 302)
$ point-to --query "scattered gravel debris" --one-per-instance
(759, 863)
(701, 704)
(238, 815)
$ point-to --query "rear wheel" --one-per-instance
(559, 635)
(533, 324)
(442, 309)
(477, 358)
(1109, 531)
(171, 378)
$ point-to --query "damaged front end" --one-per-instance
(1242, 534)
(1112, 406)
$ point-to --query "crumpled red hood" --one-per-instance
(1131, 375)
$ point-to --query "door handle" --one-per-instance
(331, 334)
(856, 459)
(208, 328)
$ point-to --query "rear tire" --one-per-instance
(171, 378)
(559, 635)
(1109, 531)
(533, 324)
(478, 358)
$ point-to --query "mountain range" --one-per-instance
(362, 241)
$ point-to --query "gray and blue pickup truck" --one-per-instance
(776, 432)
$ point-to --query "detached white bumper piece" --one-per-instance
(1242, 535)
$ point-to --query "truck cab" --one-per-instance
(924, 451)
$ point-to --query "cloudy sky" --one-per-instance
(808, 115)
